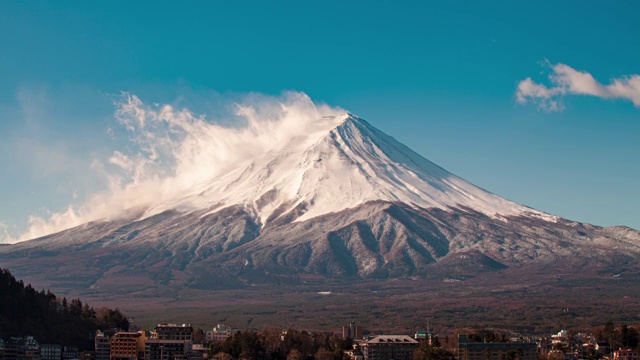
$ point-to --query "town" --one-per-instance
(182, 342)
(38, 325)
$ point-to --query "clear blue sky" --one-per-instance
(439, 76)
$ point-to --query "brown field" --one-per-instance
(509, 299)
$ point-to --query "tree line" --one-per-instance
(24, 311)
(622, 337)
(275, 344)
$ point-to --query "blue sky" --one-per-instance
(442, 77)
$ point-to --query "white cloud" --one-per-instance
(5, 237)
(176, 149)
(50, 137)
(565, 80)
(528, 90)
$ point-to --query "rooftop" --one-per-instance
(392, 339)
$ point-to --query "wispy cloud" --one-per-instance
(44, 152)
(5, 237)
(565, 80)
(172, 149)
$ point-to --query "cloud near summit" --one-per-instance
(566, 80)
(170, 149)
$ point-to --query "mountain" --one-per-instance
(344, 202)
(342, 163)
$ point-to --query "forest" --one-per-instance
(25, 311)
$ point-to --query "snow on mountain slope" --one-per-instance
(341, 163)
(277, 157)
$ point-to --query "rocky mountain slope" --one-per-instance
(346, 201)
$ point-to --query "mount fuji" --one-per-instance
(342, 201)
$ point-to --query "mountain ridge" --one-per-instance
(347, 201)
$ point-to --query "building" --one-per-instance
(50, 352)
(127, 346)
(131, 327)
(174, 332)
(169, 342)
(11, 346)
(198, 352)
(219, 333)
(352, 331)
(69, 353)
(390, 347)
(102, 347)
(625, 354)
(156, 349)
(30, 350)
(559, 337)
(425, 336)
(21, 348)
(495, 350)
(420, 335)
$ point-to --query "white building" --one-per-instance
(219, 333)
(102, 346)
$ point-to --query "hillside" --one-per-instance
(27, 312)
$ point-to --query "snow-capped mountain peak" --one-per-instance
(340, 163)
(341, 199)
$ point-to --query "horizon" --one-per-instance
(537, 112)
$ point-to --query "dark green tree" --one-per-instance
(610, 334)
(629, 337)
(199, 336)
